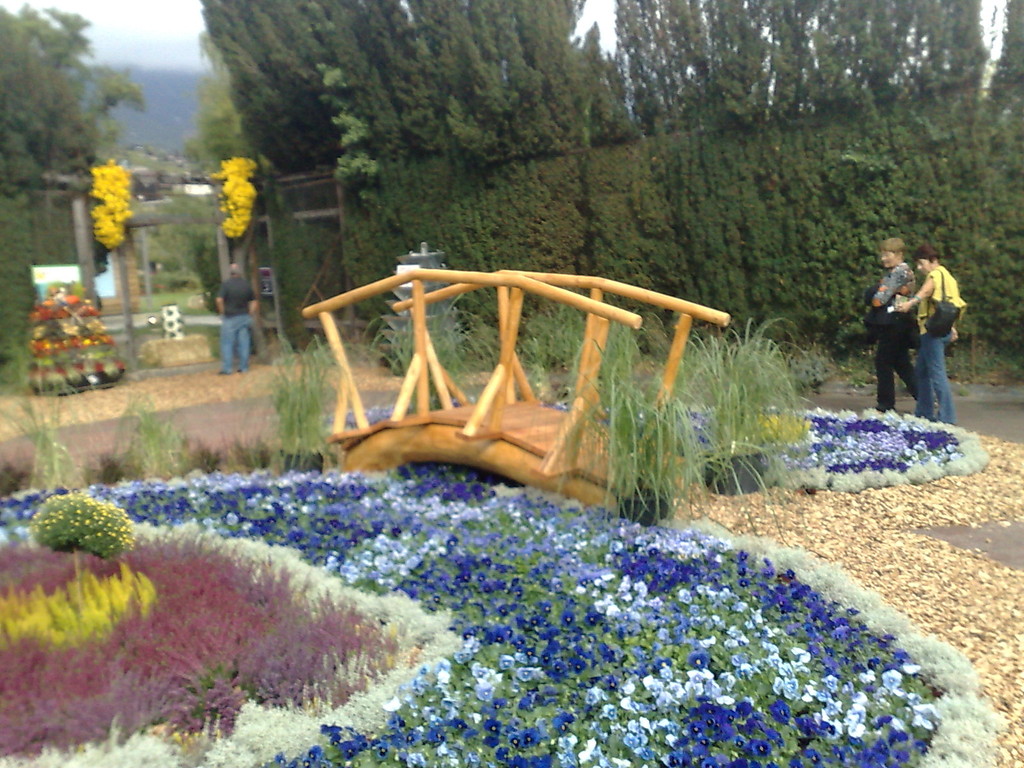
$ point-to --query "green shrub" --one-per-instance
(810, 367)
(74, 521)
(550, 340)
(109, 469)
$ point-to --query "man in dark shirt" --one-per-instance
(236, 304)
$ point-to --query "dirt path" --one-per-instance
(161, 393)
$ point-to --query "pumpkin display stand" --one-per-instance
(71, 348)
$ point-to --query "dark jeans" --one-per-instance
(892, 355)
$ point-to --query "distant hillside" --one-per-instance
(171, 105)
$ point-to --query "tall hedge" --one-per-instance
(780, 222)
(16, 290)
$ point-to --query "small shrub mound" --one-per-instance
(74, 521)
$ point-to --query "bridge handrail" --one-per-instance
(466, 281)
(654, 298)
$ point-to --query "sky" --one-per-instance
(165, 34)
(153, 35)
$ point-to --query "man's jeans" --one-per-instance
(235, 338)
(932, 383)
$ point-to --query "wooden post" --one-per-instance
(525, 390)
(147, 276)
(346, 382)
(594, 338)
(251, 263)
(408, 386)
(483, 405)
(121, 253)
(419, 333)
(83, 245)
(438, 375)
(558, 459)
(675, 355)
(513, 311)
(223, 254)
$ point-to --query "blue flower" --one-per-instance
(699, 659)
(611, 643)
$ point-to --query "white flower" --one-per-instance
(925, 716)
(891, 679)
(588, 751)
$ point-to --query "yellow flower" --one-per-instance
(785, 428)
(237, 195)
(111, 185)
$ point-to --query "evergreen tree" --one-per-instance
(487, 81)
(275, 56)
(1008, 80)
(663, 54)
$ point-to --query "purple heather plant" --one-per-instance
(222, 631)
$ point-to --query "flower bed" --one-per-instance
(591, 642)
(236, 634)
(847, 451)
(850, 452)
(219, 631)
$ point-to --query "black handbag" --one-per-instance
(944, 314)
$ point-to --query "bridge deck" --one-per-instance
(528, 433)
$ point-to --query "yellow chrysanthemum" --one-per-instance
(112, 186)
(237, 195)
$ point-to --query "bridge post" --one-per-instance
(675, 355)
(419, 335)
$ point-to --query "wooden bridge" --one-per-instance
(507, 431)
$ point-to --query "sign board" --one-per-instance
(266, 282)
(48, 278)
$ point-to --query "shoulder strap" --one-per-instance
(943, 286)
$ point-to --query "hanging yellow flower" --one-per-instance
(112, 186)
(237, 195)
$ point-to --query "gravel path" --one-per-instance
(963, 597)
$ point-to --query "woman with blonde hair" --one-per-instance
(894, 338)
